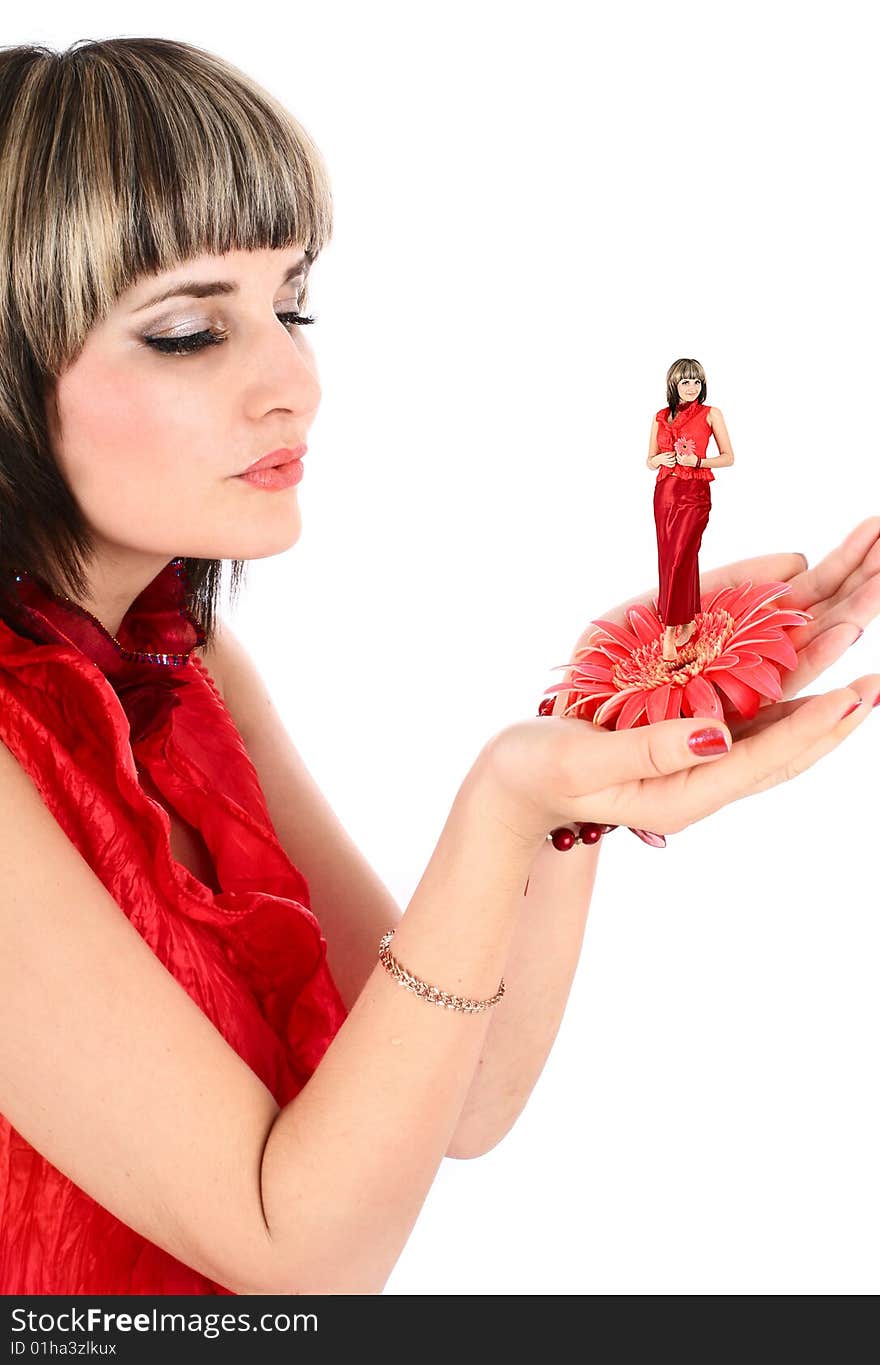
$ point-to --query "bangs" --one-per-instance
(133, 156)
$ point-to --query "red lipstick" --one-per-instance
(279, 469)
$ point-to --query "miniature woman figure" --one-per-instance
(682, 501)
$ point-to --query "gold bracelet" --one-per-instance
(432, 994)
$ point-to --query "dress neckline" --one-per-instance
(683, 412)
(157, 633)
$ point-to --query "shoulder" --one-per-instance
(712, 415)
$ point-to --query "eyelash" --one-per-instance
(197, 341)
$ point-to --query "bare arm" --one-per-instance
(722, 440)
(657, 457)
(146, 1107)
(539, 972)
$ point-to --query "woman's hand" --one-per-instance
(689, 460)
(556, 770)
(667, 457)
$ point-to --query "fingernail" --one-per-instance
(858, 637)
(854, 707)
(708, 741)
(877, 700)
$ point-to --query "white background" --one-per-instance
(538, 209)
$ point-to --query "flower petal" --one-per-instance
(623, 637)
(781, 651)
(719, 601)
(738, 596)
(744, 698)
(588, 689)
(633, 711)
(746, 658)
(701, 699)
(613, 705)
(764, 677)
(757, 599)
(644, 623)
(658, 703)
(647, 836)
(790, 618)
(593, 672)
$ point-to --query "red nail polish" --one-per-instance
(706, 742)
(849, 711)
(877, 700)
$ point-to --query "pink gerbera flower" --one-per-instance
(732, 661)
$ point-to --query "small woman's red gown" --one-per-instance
(80, 716)
(682, 503)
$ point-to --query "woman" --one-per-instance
(213, 1079)
(682, 501)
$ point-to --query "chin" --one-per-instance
(252, 542)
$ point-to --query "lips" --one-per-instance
(284, 455)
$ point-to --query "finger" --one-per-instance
(826, 648)
(856, 604)
(826, 578)
(768, 715)
(647, 751)
(868, 689)
(781, 751)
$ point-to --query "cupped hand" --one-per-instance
(647, 778)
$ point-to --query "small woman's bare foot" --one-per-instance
(669, 651)
(686, 633)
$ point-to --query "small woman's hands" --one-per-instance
(668, 457)
(689, 460)
(555, 770)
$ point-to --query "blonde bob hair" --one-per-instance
(679, 370)
(119, 159)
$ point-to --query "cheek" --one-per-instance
(125, 444)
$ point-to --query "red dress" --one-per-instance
(80, 715)
(682, 503)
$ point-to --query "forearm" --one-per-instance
(538, 972)
(349, 1161)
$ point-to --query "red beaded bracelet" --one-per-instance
(565, 837)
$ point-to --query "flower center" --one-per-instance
(647, 668)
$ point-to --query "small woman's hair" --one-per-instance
(683, 369)
(119, 159)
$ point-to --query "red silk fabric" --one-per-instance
(690, 421)
(79, 715)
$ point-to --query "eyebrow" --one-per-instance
(205, 289)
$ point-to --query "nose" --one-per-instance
(286, 373)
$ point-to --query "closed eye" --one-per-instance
(197, 341)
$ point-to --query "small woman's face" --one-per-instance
(688, 390)
(150, 442)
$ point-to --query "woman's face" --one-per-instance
(150, 443)
(688, 390)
